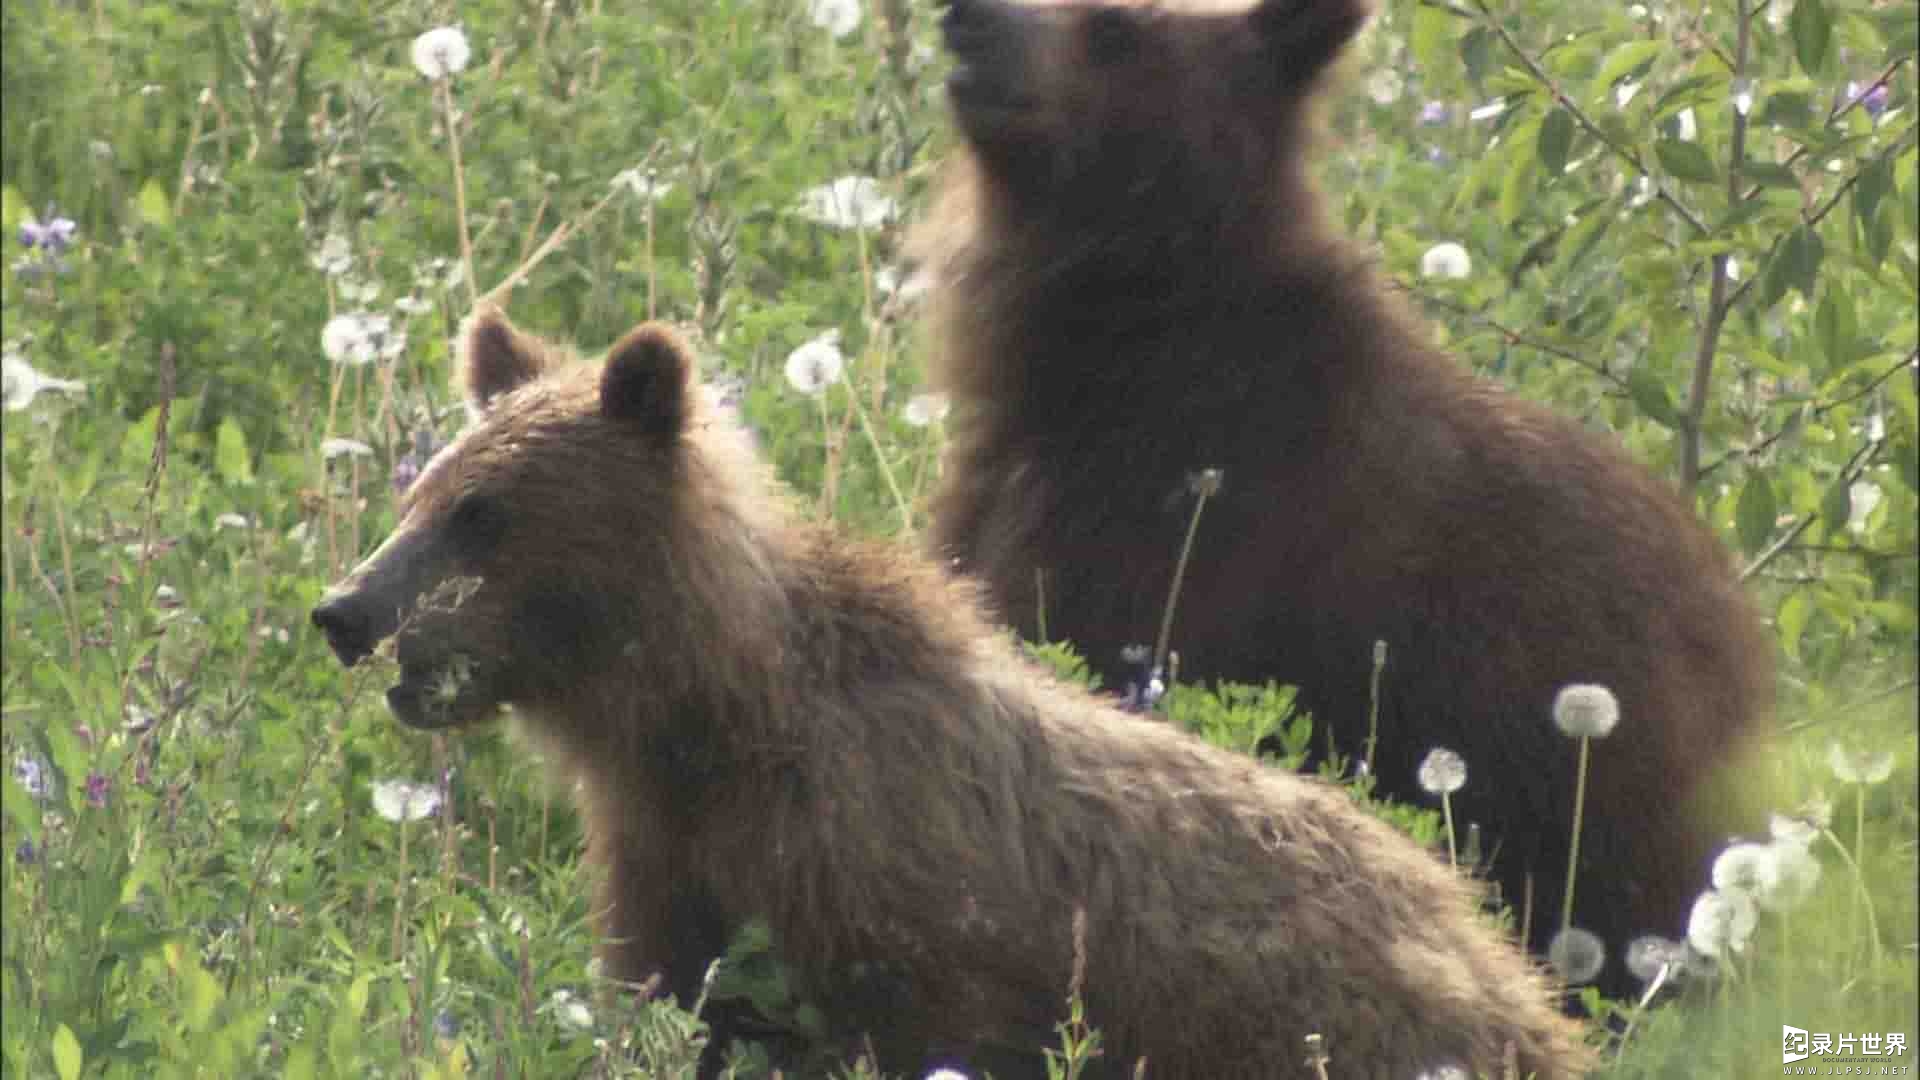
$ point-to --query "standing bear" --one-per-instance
(769, 721)
(1135, 281)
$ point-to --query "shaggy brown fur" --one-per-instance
(771, 721)
(1136, 279)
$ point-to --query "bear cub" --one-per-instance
(770, 721)
(1136, 280)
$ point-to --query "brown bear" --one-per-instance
(1135, 280)
(769, 721)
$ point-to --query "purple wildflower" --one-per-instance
(405, 472)
(53, 237)
(98, 787)
(1433, 112)
(444, 1025)
(27, 853)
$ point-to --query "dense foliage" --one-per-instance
(239, 237)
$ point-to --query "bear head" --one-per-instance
(509, 578)
(1114, 115)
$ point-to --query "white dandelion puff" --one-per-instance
(1446, 260)
(340, 447)
(1649, 954)
(1584, 710)
(570, 1011)
(1721, 922)
(404, 800)
(924, 409)
(813, 367)
(1443, 772)
(333, 257)
(1747, 867)
(851, 202)
(1578, 955)
(836, 17)
(1852, 766)
(441, 52)
(1796, 873)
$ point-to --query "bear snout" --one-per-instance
(347, 626)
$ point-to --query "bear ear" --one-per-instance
(495, 357)
(1304, 37)
(645, 380)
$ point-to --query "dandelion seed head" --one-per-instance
(570, 1011)
(1722, 922)
(1858, 766)
(342, 447)
(333, 257)
(924, 409)
(404, 800)
(851, 202)
(1443, 772)
(1446, 260)
(1748, 867)
(1648, 954)
(20, 383)
(1586, 710)
(816, 365)
(837, 17)
(1796, 874)
(1578, 955)
(441, 52)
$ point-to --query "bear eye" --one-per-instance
(1113, 35)
(477, 523)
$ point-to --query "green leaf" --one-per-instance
(1651, 396)
(154, 207)
(1874, 183)
(1791, 621)
(1835, 328)
(66, 1053)
(230, 457)
(1686, 160)
(1836, 506)
(1812, 28)
(1769, 174)
(1476, 53)
(1753, 515)
(13, 209)
(1556, 141)
(1628, 59)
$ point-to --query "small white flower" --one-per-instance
(358, 291)
(31, 771)
(1385, 86)
(1624, 94)
(836, 17)
(20, 383)
(1746, 867)
(1649, 953)
(441, 52)
(1859, 766)
(1876, 428)
(1721, 923)
(813, 367)
(333, 257)
(166, 596)
(570, 1011)
(404, 800)
(339, 447)
(946, 1074)
(1443, 772)
(924, 409)
(851, 202)
(1637, 11)
(1446, 260)
(1685, 127)
(1863, 496)
(1585, 711)
(1578, 955)
(231, 520)
(1448, 1071)
(1733, 269)
(412, 305)
(1488, 111)
(1642, 193)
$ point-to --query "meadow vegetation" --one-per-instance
(238, 241)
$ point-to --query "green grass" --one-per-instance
(197, 877)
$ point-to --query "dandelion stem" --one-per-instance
(1179, 574)
(1040, 601)
(1573, 852)
(1446, 813)
(1373, 706)
(444, 88)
